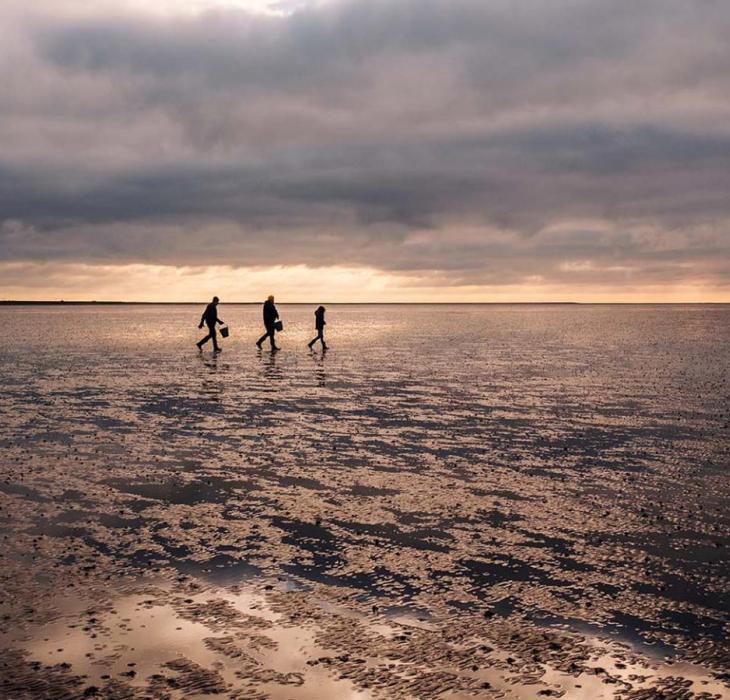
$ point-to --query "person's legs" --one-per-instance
(203, 341)
(270, 335)
(213, 335)
(320, 337)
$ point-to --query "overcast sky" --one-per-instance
(365, 149)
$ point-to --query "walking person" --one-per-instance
(271, 315)
(210, 318)
(319, 324)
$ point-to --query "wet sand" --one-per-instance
(454, 502)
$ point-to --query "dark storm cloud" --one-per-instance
(489, 140)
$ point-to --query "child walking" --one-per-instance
(319, 324)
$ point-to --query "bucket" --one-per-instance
(224, 331)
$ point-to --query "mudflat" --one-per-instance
(452, 502)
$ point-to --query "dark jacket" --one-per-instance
(270, 314)
(319, 322)
(210, 315)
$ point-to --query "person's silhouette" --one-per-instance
(319, 324)
(270, 317)
(210, 318)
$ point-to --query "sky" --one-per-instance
(365, 150)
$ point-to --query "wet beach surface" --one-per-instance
(453, 502)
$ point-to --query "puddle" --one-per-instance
(184, 645)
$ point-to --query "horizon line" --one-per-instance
(94, 302)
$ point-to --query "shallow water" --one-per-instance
(496, 475)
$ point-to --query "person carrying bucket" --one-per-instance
(210, 318)
(271, 323)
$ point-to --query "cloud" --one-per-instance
(479, 141)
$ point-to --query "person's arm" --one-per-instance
(202, 320)
(220, 321)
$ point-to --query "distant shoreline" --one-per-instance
(13, 302)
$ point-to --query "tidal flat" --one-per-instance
(454, 501)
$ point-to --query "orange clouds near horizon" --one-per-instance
(304, 284)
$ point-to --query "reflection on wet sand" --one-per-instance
(156, 641)
(210, 360)
(180, 641)
(320, 374)
(537, 508)
(271, 372)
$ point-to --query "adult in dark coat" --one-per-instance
(319, 324)
(210, 318)
(271, 315)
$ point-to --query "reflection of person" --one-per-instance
(319, 370)
(270, 317)
(210, 318)
(319, 324)
(272, 373)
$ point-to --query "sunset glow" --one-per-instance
(392, 150)
(302, 284)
